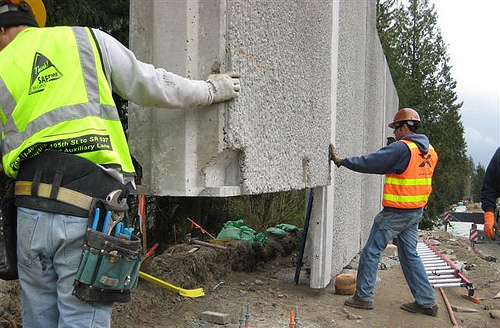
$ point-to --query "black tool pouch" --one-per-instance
(8, 236)
(109, 268)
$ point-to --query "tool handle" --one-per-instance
(118, 229)
(151, 250)
(128, 232)
(106, 222)
(97, 212)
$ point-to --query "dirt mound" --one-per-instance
(191, 269)
(258, 282)
(10, 304)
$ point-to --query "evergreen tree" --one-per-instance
(109, 16)
(477, 182)
(417, 57)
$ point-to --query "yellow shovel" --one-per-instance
(198, 292)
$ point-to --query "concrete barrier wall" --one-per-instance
(367, 101)
(374, 117)
(350, 125)
(293, 104)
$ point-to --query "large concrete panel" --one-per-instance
(349, 137)
(275, 136)
(365, 98)
(374, 115)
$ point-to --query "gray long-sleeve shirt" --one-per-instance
(145, 84)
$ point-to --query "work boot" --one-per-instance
(417, 308)
(359, 304)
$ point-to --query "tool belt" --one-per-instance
(109, 268)
(67, 184)
(63, 183)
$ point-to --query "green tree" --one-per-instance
(109, 16)
(417, 57)
(477, 182)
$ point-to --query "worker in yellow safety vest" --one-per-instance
(63, 143)
(408, 163)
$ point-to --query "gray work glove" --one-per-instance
(334, 156)
(223, 86)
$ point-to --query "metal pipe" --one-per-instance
(441, 276)
(448, 285)
(437, 267)
(439, 272)
(445, 280)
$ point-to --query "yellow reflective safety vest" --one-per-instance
(54, 96)
(411, 189)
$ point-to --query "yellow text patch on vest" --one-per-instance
(43, 71)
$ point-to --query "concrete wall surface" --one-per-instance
(312, 73)
(275, 136)
(366, 103)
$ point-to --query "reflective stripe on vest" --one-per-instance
(411, 189)
(67, 104)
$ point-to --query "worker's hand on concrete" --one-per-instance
(489, 222)
(334, 156)
(223, 86)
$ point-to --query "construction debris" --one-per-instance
(495, 314)
(463, 309)
(245, 317)
(217, 286)
(216, 317)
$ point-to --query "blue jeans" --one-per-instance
(49, 248)
(387, 226)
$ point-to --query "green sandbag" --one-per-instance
(246, 229)
(259, 238)
(231, 232)
(236, 224)
(276, 232)
(247, 233)
(287, 227)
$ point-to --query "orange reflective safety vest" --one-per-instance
(411, 189)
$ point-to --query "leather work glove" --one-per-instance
(489, 223)
(334, 156)
(223, 86)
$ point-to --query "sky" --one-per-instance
(471, 30)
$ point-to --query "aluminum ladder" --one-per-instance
(440, 270)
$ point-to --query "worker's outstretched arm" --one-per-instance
(148, 86)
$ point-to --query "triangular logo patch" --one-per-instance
(43, 72)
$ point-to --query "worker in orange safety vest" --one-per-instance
(408, 164)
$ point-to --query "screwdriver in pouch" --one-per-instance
(97, 212)
(106, 222)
